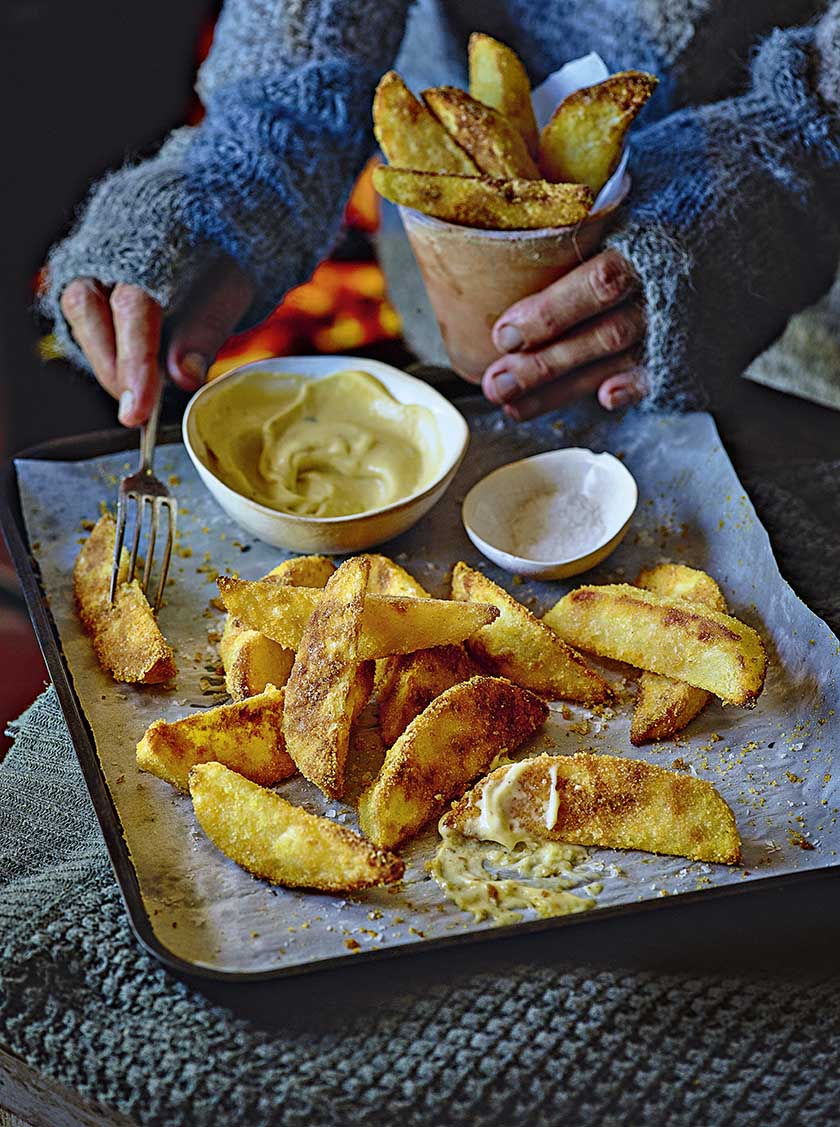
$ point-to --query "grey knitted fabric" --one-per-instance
(731, 223)
(498, 1035)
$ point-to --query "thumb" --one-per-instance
(211, 315)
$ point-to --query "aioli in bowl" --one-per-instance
(319, 448)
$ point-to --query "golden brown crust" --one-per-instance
(411, 136)
(498, 79)
(678, 581)
(609, 801)
(282, 843)
(701, 646)
(390, 623)
(522, 648)
(414, 680)
(126, 638)
(664, 706)
(442, 750)
(250, 660)
(246, 736)
(583, 141)
(493, 142)
(322, 693)
(484, 201)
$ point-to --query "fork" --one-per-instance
(135, 491)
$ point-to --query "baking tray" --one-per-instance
(497, 441)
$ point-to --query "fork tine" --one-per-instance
(171, 506)
(140, 500)
(150, 548)
(119, 537)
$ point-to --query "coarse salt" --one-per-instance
(553, 526)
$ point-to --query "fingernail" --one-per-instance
(503, 386)
(195, 366)
(619, 397)
(126, 408)
(508, 338)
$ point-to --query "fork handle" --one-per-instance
(148, 434)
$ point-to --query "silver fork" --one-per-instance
(135, 492)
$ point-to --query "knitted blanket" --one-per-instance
(724, 1012)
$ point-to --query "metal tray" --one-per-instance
(666, 493)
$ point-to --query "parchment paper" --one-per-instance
(774, 765)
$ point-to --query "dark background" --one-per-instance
(83, 85)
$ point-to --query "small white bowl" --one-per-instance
(333, 534)
(494, 508)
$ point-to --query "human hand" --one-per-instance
(578, 335)
(119, 330)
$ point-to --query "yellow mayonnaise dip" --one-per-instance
(321, 448)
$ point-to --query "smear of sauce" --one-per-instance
(471, 873)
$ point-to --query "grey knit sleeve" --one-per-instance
(131, 229)
(733, 222)
(288, 88)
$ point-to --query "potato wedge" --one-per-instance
(602, 800)
(498, 79)
(126, 637)
(414, 680)
(664, 706)
(322, 694)
(677, 581)
(497, 205)
(388, 578)
(246, 736)
(493, 142)
(406, 683)
(390, 623)
(250, 660)
(442, 750)
(523, 649)
(582, 142)
(280, 842)
(410, 136)
(709, 650)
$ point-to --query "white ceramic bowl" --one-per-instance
(333, 534)
(493, 509)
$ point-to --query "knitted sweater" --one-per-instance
(735, 163)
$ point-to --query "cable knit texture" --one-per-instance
(732, 223)
(412, 1042)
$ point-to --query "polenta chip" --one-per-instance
(390, 623)
(491, 204)
(126, 637)
(414, 680)
(602, 800)
(441, 751)
(410, 136)
(275, 840)
(664, 706)
(498, 79)
(523, 649)
(582, 143)
(246, 736)
(709, 650)
(250, 660)
(322, 693)
(493, 142)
